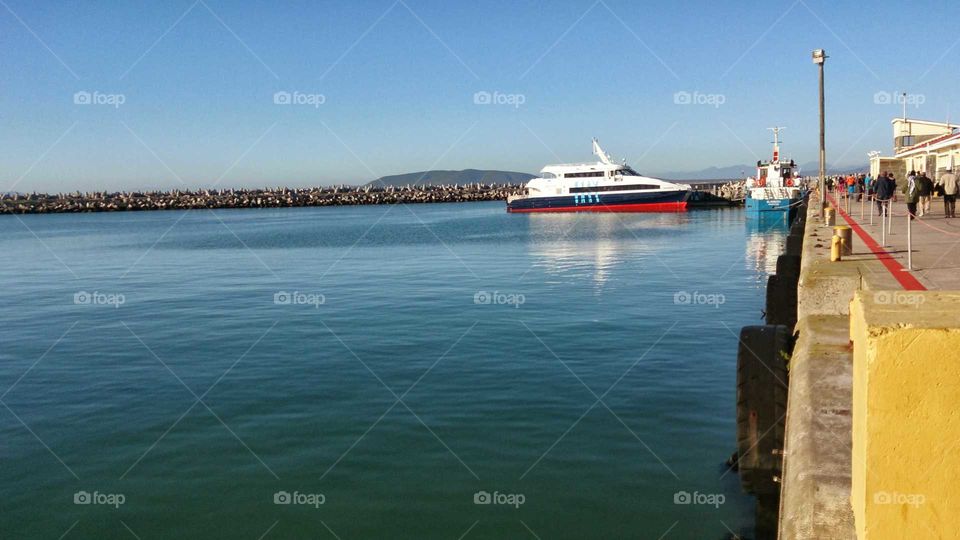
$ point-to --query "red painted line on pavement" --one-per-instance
(906, 279)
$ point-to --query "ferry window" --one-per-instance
(627, 171)
(589, 174)
(595, 189)
(548, 175)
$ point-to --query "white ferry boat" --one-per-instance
(602, 186)
(776, 187)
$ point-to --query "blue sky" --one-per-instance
(398, 80)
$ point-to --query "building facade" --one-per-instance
(920, 145)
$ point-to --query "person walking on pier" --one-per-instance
(885, 186)
(851, 185)
(925, 187)
(948, 182)
(913, 195)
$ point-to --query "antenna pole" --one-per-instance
(819, 58)
(776, 142)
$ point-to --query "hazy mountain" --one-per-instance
(710, 173)
(739, 171)
(468, 176)
(812, 169)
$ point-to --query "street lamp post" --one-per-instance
(819, 57)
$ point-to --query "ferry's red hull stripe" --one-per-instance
(637, 207)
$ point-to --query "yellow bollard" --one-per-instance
(835, 248)
(846, 238)
(830, 216)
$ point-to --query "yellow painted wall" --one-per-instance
(906, 414)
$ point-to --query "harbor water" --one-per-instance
(422, 371)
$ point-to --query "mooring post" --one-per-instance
(909, 240)
(883, 225)
(890, 216)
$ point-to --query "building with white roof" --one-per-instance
(920, 145)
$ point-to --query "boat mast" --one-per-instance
(776, 142)
(604, 157)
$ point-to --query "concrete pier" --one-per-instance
(824, 457)
(935, 240)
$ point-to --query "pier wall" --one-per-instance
(872, 435)
(815, 488)
(906, 424)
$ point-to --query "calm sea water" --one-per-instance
(181, 371)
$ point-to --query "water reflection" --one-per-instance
(766, 240)
(592, 245)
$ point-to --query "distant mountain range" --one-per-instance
(471, 176)
(467, 176)
(739, 171)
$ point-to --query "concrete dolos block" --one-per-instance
(906, 414)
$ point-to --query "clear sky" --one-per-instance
(186, 88)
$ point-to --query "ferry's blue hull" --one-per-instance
(655, 201)
(761, 206)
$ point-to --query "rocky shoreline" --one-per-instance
(41, 203)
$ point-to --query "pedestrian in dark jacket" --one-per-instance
(884, 192)
(925, 188)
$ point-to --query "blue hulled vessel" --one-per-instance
(776, 187)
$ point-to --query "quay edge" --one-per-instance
(870, 402)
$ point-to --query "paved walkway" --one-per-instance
(935, 243)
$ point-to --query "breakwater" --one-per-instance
(41, 203)
(703, 195)
(734, 190)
